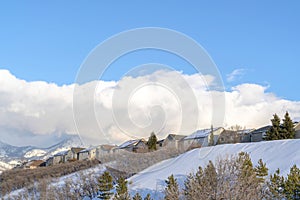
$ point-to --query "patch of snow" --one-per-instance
(282, 154)
(35, 153)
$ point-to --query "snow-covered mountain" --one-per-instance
(11, 156)
(280, 154)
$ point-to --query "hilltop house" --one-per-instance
(104, 149)
(138, 146)
(229, 137)
(201, 138)
(256, 135)
(172, 141)
(160, 143)
(87, 154)
(72, 154)
(49, 161)
(34, 164)
(232, 137)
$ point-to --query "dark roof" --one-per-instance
(131, 143)
(160, 141)
(261, 130)
(36, 163)
(76, 149)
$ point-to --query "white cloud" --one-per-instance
(235, 74)
(163, 102)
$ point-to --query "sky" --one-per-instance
(254, 44)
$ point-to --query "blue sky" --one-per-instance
(49, 40)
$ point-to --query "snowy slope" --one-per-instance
(277, 154)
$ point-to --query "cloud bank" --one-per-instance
(33, 112)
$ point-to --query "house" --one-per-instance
(297, 129)
(105, 149)
(229, 137)
(87, 154)
(72, 154)
(200, 138)
(172, 141)
(138, 146)
(49, 161)
(34, 164)
(61, 157)
(159, 143)
(256, 135)
(58, 158)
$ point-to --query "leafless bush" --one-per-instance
(11, 180)
(132, 163)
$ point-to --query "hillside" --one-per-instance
(277, 154)
(11, 156)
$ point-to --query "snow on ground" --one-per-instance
(277, 154)
(35, 153)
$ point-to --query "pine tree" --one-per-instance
(210, 180)
(105, 186)
(122, 190)
(276, 185)
(211, 137)
(137, 196)
(288, 131)
(292, 184)
(261, 171)
(171, 191)
(194, 185)
(148, 197)
(152, 142)
(274, 133)
(247, 180)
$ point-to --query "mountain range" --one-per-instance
(11, 156)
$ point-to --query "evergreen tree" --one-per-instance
(194, 185)
(261, 171)
(292, 184)
(210, 180)
(148, 197)
(246, 178)
(276, 185)
(137, 196)
(211, 137)
(275, 132)
(288, 131)
(171, 191)
(122, 190)
(105, 183)
(152, 142)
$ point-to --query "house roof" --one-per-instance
(160, 141)
(76, 149)
(62, 153)
(261, 130)
(88, 149)
(35, 163)
(131, 143)
(175, 137)
(200, 133)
